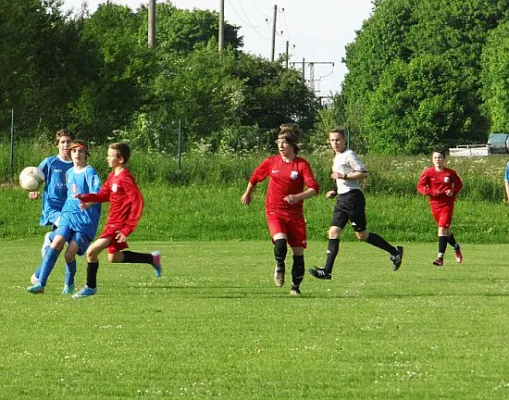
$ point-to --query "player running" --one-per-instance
(442, 185)
(347, 171)
(288, 174)
(126, 206)
(76, 227)
(55, 189)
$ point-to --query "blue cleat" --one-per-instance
(156, 263)
(68, 289)
(36, 289)
(84, 292)
(34, 280)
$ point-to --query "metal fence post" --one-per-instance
(12, 144)
(180, 146)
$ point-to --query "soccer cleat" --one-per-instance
(156, 263)
(458, 254)
(36, 289)
(438, 262)
(84, 292)
(279, 277)
(295, 291)
(45, 244)
(68, 289)
(34, 280)
(320, 273)
(397, 259)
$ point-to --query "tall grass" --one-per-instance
(482, 176)
(203, 213)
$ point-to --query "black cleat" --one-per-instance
(295, 291)
(279, 277)
(397, 259)
(320, 273)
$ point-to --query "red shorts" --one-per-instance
(442, 212)
(294, 227)
(114, 246)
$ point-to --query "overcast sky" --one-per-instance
(316, 30)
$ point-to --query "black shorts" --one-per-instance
(350, 206)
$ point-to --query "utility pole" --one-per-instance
(303, 62)
(287, 53)
(273, 51)
(311, 70)
(152, 24)
(221, 26)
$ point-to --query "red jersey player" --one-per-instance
(126, 206)
(442, 185)
(284, 202)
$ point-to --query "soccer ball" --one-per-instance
(31, 178)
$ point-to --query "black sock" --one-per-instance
(137, 258)
(92, 274)
(452, 241)
(297, 270)
(381, 243)
(280, 250)
(332, 252)
(442, 244)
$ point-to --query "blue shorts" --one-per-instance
(68, 234)
(50, 217)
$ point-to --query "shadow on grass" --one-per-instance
(243, 292)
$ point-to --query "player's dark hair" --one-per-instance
(122, 149)
(439, 152)
(63, 132)
(292, 133)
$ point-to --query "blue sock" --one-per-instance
(70, 272)
(37, 272)
(47, 265)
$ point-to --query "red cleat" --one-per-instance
(438, 262)
(458, 255)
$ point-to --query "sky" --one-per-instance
(317, 31)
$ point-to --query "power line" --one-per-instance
(286, 26)
(246, 23)
(260, 11)
(247, 17)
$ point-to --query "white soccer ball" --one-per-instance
(31, 178)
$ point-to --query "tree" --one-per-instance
(404, 31)
(39, 63)
(183, 31)
(120, 69)
(419, 106)
(495, 77)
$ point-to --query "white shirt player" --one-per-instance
(345, 163)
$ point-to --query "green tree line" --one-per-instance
(95, 74)
(421, 74)
(428, 73)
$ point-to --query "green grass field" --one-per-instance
(215, 326)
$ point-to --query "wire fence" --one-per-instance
(147, 132)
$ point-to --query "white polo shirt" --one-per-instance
(346, 163)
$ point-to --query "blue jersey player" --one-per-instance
(77, 227)
(55, 190)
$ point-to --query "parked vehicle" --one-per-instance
(498, 143)
(469, 150)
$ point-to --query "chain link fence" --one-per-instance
(26, 137)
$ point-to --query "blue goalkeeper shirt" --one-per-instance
(55, 190)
